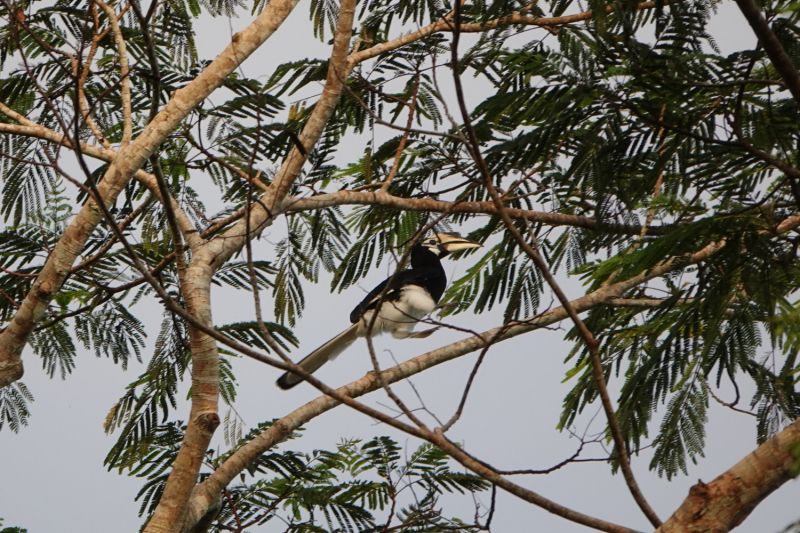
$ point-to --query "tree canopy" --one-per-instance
(611, 142)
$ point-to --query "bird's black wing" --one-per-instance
(401, 279)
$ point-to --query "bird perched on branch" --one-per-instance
(411, 295)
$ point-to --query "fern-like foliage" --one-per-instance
(631, 152)
(350, 488)
(14, 401)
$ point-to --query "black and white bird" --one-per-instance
(412, 295)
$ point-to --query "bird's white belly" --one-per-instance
(400, 317)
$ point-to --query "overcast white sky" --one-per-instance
(52, 473)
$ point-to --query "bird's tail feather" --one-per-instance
(327, 352)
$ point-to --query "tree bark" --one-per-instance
(171, 514)
(723, 504)
(127, 162)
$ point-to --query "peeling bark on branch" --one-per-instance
(723, 504)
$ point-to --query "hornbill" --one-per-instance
(412, 295)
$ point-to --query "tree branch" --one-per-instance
(128, 161)
(440, 206)
(400, 147)
(772, 46)
(124, 72)
(445, 25)
(724, 503)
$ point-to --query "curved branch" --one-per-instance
(124, 72)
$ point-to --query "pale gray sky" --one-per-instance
(53, 478)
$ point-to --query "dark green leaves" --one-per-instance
(14, 401)
(682, 433)
(113, 331)
(352, 488)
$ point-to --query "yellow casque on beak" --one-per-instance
(453, 242)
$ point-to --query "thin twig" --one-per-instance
(470, 380)
(412, 107)
(729, 405)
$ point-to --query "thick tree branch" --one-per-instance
(724, 503)
(15, 116)
(644, 303)
(128, 161)
(441, 206)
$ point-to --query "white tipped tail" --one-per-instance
(327, 352)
